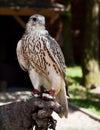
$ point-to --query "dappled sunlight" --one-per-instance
(85, 99)
(92, 106)
(7, 97)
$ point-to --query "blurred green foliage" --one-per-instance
(79, 95)
(74, 75)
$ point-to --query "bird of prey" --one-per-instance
(40, 55)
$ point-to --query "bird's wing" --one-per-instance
(22, 62)
(56, 53)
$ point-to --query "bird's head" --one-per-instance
(36, 22)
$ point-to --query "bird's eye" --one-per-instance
(34, 19)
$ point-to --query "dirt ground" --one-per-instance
(75, 121)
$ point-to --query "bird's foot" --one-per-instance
(36, 93)
(48, 95)
(45, 95)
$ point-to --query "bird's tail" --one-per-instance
(62, 99)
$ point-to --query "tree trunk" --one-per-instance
(67, 36)
(24, 115)
(90, 61)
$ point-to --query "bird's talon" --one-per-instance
(47, 96)
(36, 93)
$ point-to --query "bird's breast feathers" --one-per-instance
(43, 53)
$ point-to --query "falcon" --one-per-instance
(40, 55)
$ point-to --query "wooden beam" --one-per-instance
(28, 11)
(20, 21)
